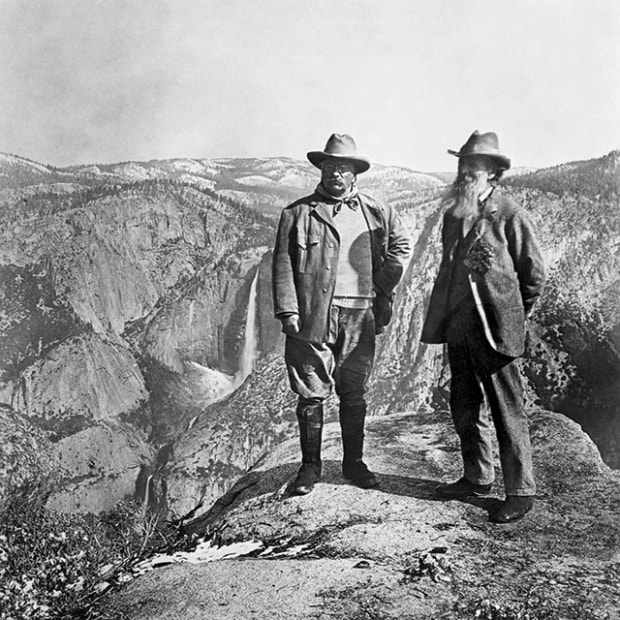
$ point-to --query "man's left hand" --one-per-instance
(382, 308)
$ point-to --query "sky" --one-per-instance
(103, 81)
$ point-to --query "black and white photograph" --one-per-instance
(309, 310)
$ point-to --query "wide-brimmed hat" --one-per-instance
(340, 146)
(483, 144)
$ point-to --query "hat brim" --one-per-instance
(361, 164)
(502, 160)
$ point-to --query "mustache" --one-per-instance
(465, 188)
(462, 196)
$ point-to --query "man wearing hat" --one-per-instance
(338, 256)
(490, 276)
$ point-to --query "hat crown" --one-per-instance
(340, 144)
(481, 144)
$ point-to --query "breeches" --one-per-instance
(314, 369)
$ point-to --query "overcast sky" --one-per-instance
(114, 80)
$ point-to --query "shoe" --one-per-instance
(308, 474)
(463, 488)
(358, 473)
(515, 507)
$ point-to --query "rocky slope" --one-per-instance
(572, 364)
(138, 356)
(112, 294)
(125, 292)
(125, 322)
(399, 551)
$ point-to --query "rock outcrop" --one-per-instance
(25, 452)
(123, 314)
(399, 551)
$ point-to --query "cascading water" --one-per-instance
(212, 385)
(249, 351)
(147, 489)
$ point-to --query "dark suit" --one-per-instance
(488, 281)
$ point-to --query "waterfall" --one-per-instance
(210, 385)
(249, 351)
(147, 488)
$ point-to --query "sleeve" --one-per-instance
(527, 258)
(283, 280)
(397, 255)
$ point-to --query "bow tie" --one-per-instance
(351, 202)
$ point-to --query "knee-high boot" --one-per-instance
(352, 419)
(310, 419)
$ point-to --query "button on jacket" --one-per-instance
(305, 259)
(505, 275)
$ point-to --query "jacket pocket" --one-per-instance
(308, 251)
(313, 250)
(301, 256)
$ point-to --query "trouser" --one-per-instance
(478, 370)
(315, 369)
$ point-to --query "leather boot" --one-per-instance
(352, 419)
(514, 507)
(463, 488)
(310, 419)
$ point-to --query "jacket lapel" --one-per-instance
(372, 213)
(323, 211)
(482, 224)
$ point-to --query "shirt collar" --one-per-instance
(485, 195)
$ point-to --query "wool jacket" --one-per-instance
(504, 270)
(305, 259)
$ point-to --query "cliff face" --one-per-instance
(125, 291)
(136, 300)
(24, 451)
(574, 359)
(123, 313)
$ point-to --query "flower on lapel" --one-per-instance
(479, 257)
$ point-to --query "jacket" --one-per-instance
(305, 259)
(505, 274)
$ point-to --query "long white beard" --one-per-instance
(464, 194)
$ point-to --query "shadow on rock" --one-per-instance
(276, 484)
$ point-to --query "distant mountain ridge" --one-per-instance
(266, 183)
(597, 178)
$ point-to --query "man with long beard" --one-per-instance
(490, 276)
(338, 256)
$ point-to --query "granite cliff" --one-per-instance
(123, 311)
(134, 296)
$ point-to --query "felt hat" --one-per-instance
(483, 144)
(340, 146)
